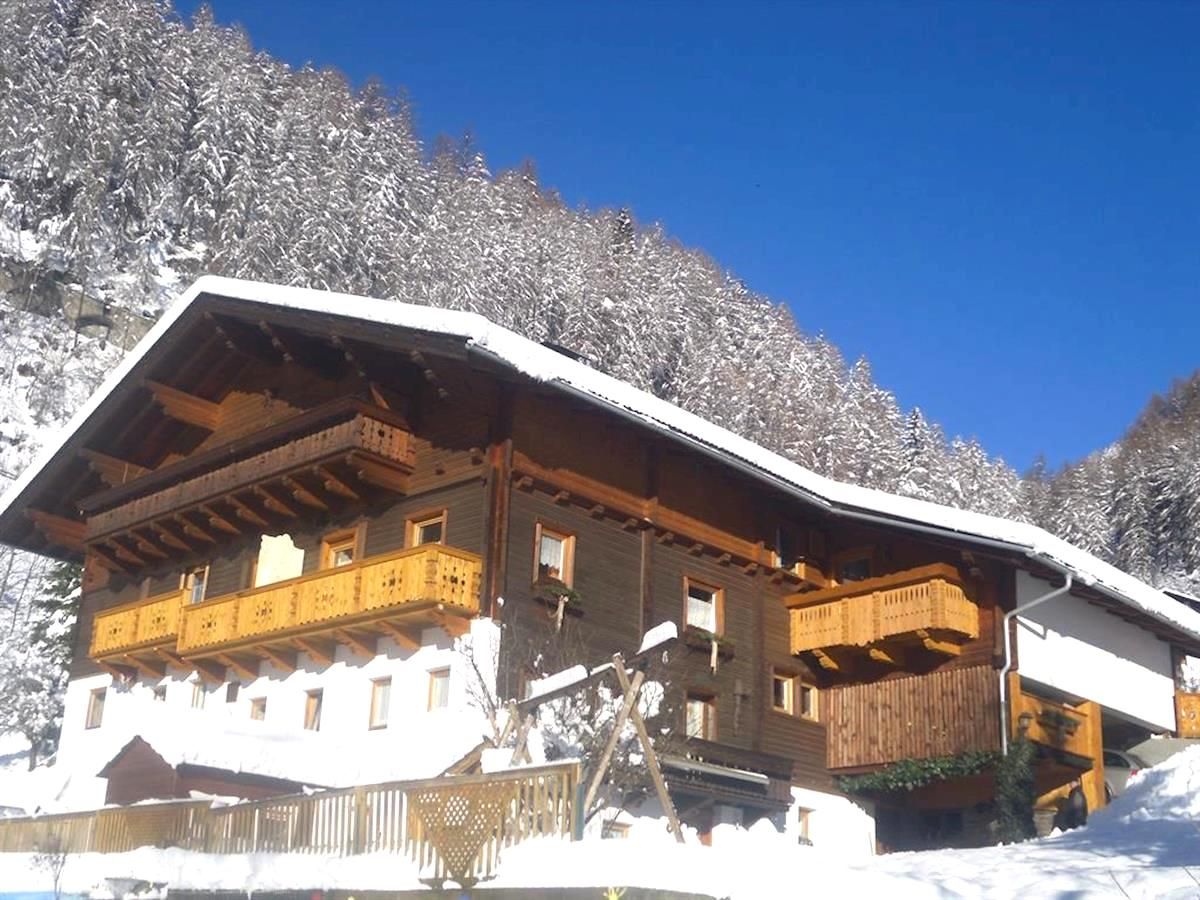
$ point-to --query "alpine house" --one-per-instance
(293, 508)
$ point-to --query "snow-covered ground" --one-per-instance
(1146, 845)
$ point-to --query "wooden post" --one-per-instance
(360, 820)
(631, 696)
(1092, 780)
(651, 756)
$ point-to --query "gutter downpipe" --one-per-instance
(1008, 617)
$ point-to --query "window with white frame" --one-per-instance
(381, 701)
(555, 557)
(194, 583)
(427, 529)
(313, 701)
(258, 708)
(701, 717)
(95, 708)
(703, 606)
(439, 688)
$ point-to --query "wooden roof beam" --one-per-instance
(245, 513)
(283, 660)
(404, 637)
(112, 471)
(241, 668)
(333, 484)
(185, 407)
(303, 494)
(273, 503)
(378, 474)
(169, 538)
(191, 528)
(320, 651)
(146, 667)
(212, 672)
(347, 638)
(218, 521)
(276, 341)
(64, 532)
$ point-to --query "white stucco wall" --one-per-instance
(1068, 644)
(415, 730)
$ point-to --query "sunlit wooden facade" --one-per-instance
(421, 485)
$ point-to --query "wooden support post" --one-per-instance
(521, 747)
(1092, 780)
(283, 660)
(610, 746)
(660, 784)
(404, 638)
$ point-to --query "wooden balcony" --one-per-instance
(314, 462)
(927, 608)
(133, 633)
(393, 595)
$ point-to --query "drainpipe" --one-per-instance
(1008, 617)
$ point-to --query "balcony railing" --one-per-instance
(309, 463)
(431, 580)
(137, 626)
(929, 603)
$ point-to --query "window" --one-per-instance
(427, 529)
(701, 717)
(160, 693)
(703, 606)
(439, 688)
(615, 831)
(95, 708)
(783, 692)
(803, 820)
(231, 692)
(339, 549)
(806, 701)
(198, 695)
(258, 708)
(853, 565)
(193, 582)
(555, 555)
(312, 710)
(381, 699)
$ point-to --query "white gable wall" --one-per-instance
(1069, 644)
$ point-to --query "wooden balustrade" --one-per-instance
(453, 826)
(430, 578)
(372, 447)
(929, 603)
(136, 626)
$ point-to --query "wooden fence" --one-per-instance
(453, 827)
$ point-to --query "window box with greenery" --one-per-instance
(719, 646)
(559, 599)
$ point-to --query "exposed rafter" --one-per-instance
(111, 470)
(68, 533)
(218, 521)
(185, 407)
(333, 484)
(245, 513)
(272, 502)
(276, 341)
(283, 660)
(303, 494)
(320, 651)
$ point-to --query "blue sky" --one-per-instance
(997, 204)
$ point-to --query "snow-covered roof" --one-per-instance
(325, 759)
(548, 366)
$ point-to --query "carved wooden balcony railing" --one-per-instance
(308, 463)
(926, 608)
(125, 632)
(351, 605)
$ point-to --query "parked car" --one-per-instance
(1119, 767)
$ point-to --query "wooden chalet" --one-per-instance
(281, 482)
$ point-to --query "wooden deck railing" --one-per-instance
(931, 598)
(133, 626)
(377, 586)
(453, 827)
(363, 433)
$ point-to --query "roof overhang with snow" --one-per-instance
(474, 337)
